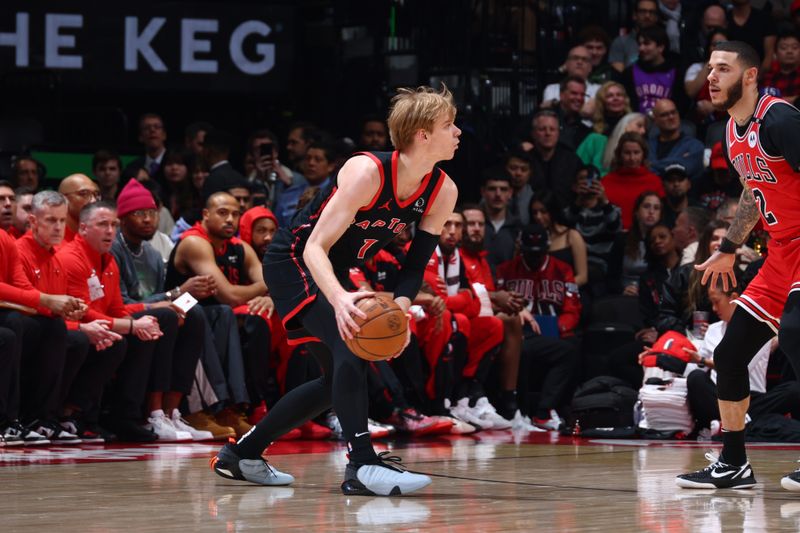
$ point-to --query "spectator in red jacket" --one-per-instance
(93, 274)
(549, 289)
(93, 353)
(506, 306)
(446, 275)
(630, 176)
(33, 339)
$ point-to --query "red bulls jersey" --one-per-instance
(551, 289)
(773, 180)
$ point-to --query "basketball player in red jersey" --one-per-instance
(373, 197)
(761, 145)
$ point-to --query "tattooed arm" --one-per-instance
(720, 264)
(746, 216)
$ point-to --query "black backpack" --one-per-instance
(603, 402)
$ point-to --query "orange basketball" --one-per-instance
(383, 332)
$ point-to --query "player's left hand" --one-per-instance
(408, 336)
(719, 265)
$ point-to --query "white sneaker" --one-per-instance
(462, 411)
(388, 477)
(181, 425)
(486, 411)
(162, 426)
(523, 423)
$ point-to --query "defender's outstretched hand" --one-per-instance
(716, 266)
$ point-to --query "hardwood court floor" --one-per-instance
(482, 483)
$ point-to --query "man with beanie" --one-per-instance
(142, 277)
(92, 351)
(93, 275)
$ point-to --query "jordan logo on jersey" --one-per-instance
(386, 205)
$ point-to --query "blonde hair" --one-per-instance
(616, 133)
(599, 116)
(417, 109)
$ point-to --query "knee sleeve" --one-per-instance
(789, 335)
(743, 337)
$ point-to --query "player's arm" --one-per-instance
(198, 255)
(721, 262)
(357, 184)
(424, 244)
(746, 216)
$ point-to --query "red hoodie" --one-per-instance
(624, 185)
(249, 218)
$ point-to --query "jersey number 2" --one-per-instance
(366, 246)
(769, 216)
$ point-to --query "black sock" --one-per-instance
(361, 451)
(733, 451)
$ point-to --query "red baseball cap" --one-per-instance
(670, 343)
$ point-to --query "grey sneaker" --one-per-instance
(387, 477)
(230, 466)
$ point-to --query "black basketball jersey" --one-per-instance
(229, 259)
(374, 225)
(290, 283)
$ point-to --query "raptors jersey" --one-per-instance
(373, 227)
(775, 184)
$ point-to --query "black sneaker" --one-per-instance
(53, 432)
(128, 430)
(230, 466)
(11, 435)
(386, 477)
(79, 429)
(19, 435)
(792, 481)
(718, 475)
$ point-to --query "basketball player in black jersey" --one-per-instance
(373, 197)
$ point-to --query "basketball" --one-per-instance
(383, 332)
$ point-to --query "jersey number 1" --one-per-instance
(769, 216)
(366, 246)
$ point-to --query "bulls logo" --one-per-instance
(752, 138)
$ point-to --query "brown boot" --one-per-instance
(205, 422)
(233, 417)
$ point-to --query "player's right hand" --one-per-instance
(345, 308)
(716, 266)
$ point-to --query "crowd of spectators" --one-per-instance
(620, 188)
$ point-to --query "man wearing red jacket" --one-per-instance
(506, 305)
(471, 307)
(33, 351)
(548, 287)
(93, 275)
(86, 371)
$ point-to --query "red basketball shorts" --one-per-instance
(766, 295)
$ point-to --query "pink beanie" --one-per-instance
(132, 197)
